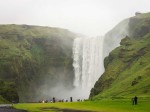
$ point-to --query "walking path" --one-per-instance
(5, 105)
(9, 108)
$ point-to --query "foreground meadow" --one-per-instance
(87, 106)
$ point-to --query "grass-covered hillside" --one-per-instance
(29, 56)
(127, 68)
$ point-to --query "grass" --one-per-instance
(99, 106)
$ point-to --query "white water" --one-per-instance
(88, 63)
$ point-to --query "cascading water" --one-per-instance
(88, 62)
(77, 61)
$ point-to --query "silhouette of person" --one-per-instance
(71, 99)
(135, 100)
(132, 101)
(53, 99)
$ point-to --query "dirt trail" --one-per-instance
(9, 108)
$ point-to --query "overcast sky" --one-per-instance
(89, 17)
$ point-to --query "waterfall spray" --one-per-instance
(88, 62)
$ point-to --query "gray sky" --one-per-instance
(89, 17)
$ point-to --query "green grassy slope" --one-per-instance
(127, 68)
(29, 56)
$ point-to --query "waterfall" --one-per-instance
(88, 62)
(77, 61)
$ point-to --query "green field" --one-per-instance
(99, 106)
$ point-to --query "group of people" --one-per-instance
(53, 100)
(134, 100)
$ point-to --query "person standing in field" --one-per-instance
(132, 101)
(135, 100)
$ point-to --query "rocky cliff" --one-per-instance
(34, 59)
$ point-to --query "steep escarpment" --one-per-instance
(116, 34)
(127, 67)
(34, 59)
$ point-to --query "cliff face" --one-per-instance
(34, 59)
(116, 34)
(127, 67)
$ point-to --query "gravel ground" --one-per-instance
(9, 108)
